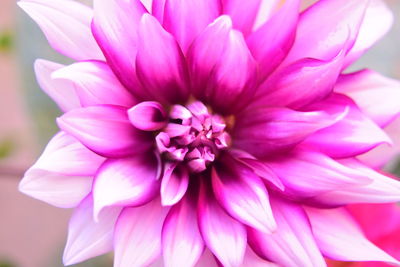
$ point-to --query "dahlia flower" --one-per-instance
(214, 132)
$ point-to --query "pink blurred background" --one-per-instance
(32, 233)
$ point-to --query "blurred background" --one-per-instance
(32, 233)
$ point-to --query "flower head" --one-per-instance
(225, 128)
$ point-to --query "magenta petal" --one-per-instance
(105, 129)
(161, 66)
(174, 184)
(95, 84)
(339, 237)
(292, 244)
(353, 135)
(243, 195)
(263, 132)
(273, 40)
(243, 13)
(368, 88)
(186, 19)
(158, 9)
(148, 116)
(126, 182)
(119, 43)
(87, 238)
(181, 240)
(66, 25)
(223, 235)
(251, 259)
(137, 238)
(61, 91)
(306, 174)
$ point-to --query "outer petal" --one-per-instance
(243, 195)
(340, 238)
(181, 240)
(224, 236)
(105, 129)
(66, 25)
(95, 84)
(61, 91)
(338, 23)
(174, 184)
(262, 132)
(243, 13)
(126, 182)
(367, 88)
(251, 259)
(114, 26)
(87, 238)
(161, 66)
(292, 244)
(186, 19)
(137, 238)
(306, 174)
(272, 41)
(382, 189)
(347, 137)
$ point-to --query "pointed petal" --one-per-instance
(306, 174)
(148, 116)
(66, 25)
(104, 129)
(367, 88)
(243, 13)
(137, 238)
(273, 40)
(251, 259)
(353, 135)
(207, 259)
(87, 238)
(186, 19)
(174, 184)
(181, 240)
(278, 129)
(126, 182)
(119, 43)
(340, 238)
(95, 84)
(292, 244)
(243, 195)
(61, 91)
(161, 66)
(223, 235)
(382, 189)
(158, 9)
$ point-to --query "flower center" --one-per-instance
(193, 135)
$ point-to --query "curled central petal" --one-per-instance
(189, 134)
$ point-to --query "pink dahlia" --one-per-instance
(214, 132)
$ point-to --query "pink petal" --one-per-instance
(186, 19)
(66, 25)
(382, 189)
(137, 238)
(95, 84)
(377, 21)
(273, 40)
(158, 9)
(340, 238)
(243, 13)
(181, 240)
(104, 129)
(243, 195)
(307, 174)
(126, 182)
(278, 129)
(87, 238)
(161, 66)
(207, 259)
(251, 259)
(338, 23)
(292, 244)
(223, 235)
(61, 91)
(353, 135)
(174, 184)
(114, 26)
(367, 88)
(313, 78)
(148, 116)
